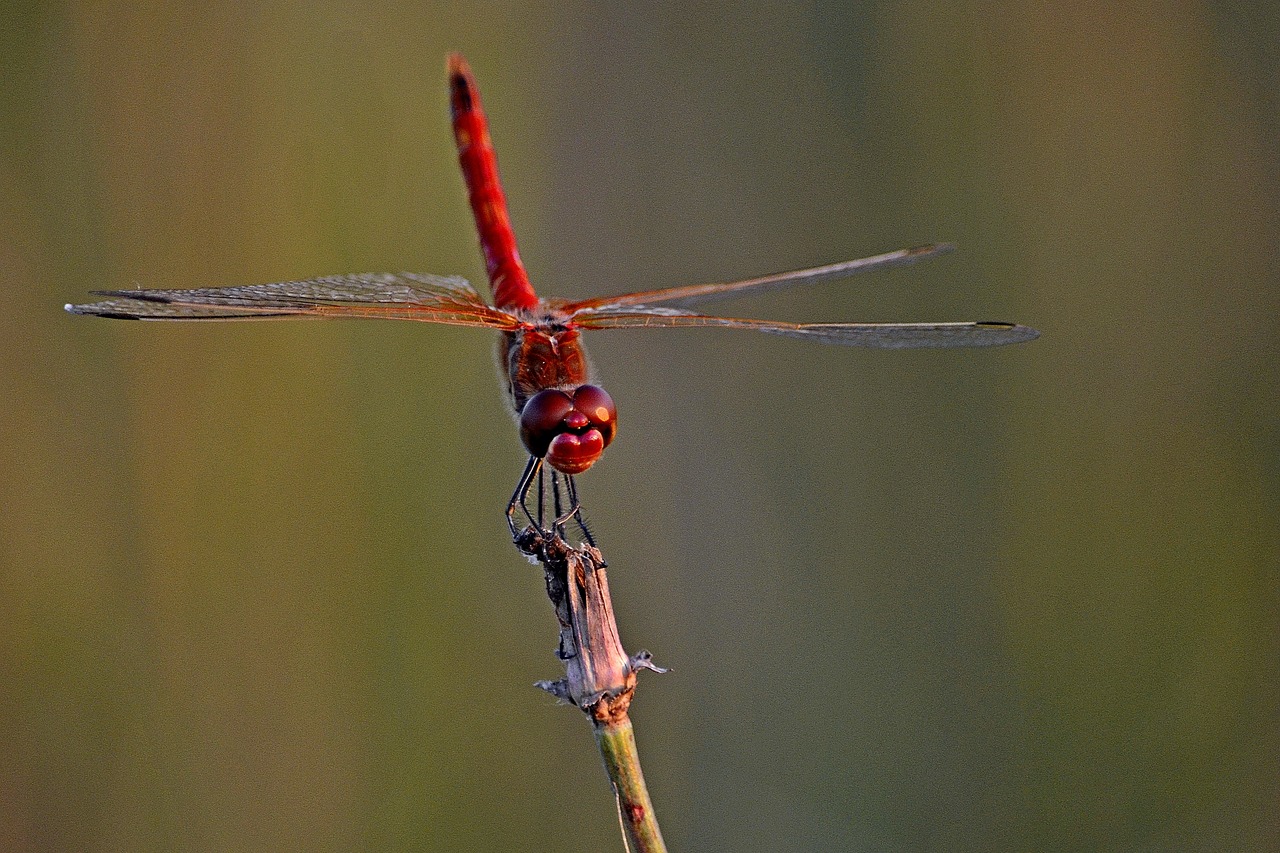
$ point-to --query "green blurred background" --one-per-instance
(257, 589)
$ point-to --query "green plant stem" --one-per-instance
(617, 742)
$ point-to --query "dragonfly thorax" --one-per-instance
(542, 357)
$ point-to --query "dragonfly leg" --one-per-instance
(556, 503)
(541, 503)
(519, 498)
(577, 513)
(574, 512)
(564, 491)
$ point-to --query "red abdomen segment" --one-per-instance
(507, 277)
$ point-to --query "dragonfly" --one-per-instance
(565, 419)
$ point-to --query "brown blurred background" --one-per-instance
(257, 592)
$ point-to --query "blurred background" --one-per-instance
(257, 590)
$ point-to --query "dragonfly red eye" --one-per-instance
(570, 431)
(543, 418)
(594, 402)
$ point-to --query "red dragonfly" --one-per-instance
(564, 418)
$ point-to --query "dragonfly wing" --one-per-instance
(874, 335)
(691, 294)
(397, 296)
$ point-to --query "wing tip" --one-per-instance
(99, 309)
(1011, 333)
(83, 309)
(928, 250)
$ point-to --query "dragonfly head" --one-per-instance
(570, 428)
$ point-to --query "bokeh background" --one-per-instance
(256, 591)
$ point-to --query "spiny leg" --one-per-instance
(563, 490)
(574, 510)
(518, 498)
(556, 504)
(577, 512)
(542, 498)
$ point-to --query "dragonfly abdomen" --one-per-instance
(507, 277)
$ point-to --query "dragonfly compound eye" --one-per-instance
(570, 430)
(594, 402)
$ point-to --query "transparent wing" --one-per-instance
(875, 335)
(393, 296)
(691, 294)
